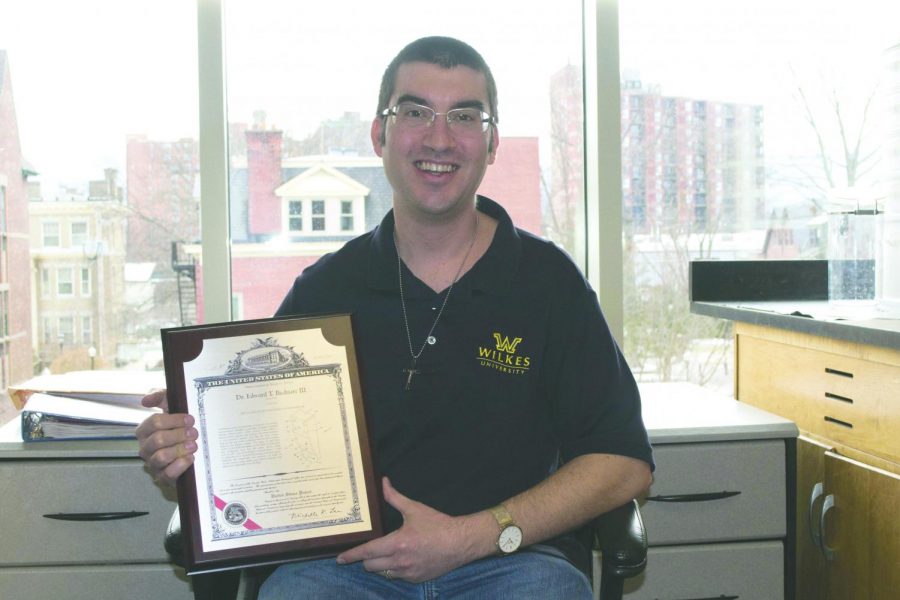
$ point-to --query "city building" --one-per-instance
(690, 165)
(78, 260)
(16, 358)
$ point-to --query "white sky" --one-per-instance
(88, 72)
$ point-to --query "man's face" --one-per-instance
(435, 171)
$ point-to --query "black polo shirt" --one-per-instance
(524, 373)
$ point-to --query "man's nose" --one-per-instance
(438, 135)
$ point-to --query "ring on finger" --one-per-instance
(387, 574)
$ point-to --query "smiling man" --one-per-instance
(486, 363)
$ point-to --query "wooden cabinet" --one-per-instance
(845, 398)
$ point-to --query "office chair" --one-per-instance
(619, 538)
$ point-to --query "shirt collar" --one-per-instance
(493, 273)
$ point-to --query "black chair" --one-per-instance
(619, 536)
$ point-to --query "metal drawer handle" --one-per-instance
(693, 497)
(721, 597)
(827, 505)
(104, 516)
(816, 493)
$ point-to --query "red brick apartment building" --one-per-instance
(16, 361)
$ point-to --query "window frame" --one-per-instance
(60, 281)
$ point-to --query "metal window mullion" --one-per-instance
(214, 202)
(603, 160)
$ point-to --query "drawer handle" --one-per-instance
(816, 493)
(721, 597)
(839, 422)
(705, 497)
(846, 374)
(104, 516)
(831, 396)
(827, 505)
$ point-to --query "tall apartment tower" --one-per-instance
(690, 164)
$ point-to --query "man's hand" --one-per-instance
(429, 544)
(167, 442)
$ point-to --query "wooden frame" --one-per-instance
(283, 469)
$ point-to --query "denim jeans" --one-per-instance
(527, 575)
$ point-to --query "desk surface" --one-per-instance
(673, 413)
(685, 412)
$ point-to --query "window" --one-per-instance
(303, 175)
(295, 215)
(85, 281)
(128, 162)
(87, 333)
(66, 331)
(318, 215)
(51, 235)
(79, 234)
(760, 102)
(49, 335)
(346, 215)
(64, 286)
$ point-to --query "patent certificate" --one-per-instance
(282, 469)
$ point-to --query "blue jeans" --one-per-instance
(526, 574)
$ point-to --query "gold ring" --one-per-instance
(387, 574)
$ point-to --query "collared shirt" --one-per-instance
(524, 372)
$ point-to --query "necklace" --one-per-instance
(430, 340)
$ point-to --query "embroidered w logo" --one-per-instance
(504, 345)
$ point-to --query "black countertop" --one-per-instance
(788, 295)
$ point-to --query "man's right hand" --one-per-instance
(167, 441)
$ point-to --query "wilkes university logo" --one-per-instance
(502, 355)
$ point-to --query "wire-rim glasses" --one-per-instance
(412, 116)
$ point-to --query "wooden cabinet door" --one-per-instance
(810, 496)
(862, 530)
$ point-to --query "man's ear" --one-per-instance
(492, 145)
(378, 133)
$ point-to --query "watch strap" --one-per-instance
(504, 519)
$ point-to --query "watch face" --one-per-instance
(510, 539)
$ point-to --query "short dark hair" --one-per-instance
(446, 52)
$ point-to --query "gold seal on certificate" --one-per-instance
(283, 469)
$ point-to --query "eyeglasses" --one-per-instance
(412, 116)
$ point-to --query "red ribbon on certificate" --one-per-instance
(248, 523)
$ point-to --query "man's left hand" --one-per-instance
(429, 544)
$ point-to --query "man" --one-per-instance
(485, 363)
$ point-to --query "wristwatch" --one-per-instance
(510, 534)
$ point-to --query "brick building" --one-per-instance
(16, 359)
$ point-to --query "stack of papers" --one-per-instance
(84, 404)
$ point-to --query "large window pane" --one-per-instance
(98, 129)
(303, 82)
(741, 120)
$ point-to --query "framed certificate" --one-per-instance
(283, 469)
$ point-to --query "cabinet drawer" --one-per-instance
(674, 514)
(33, 489)
(749, 571)
(135, 582)
(841, 398)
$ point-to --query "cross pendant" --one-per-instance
(412, 370)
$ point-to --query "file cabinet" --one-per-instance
(82, 521)
(718, 515)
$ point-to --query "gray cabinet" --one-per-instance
(83, 520)
(717, 512)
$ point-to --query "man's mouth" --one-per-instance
(430, 167)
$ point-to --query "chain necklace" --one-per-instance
(430, 340)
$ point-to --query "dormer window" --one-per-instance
(323, 202)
